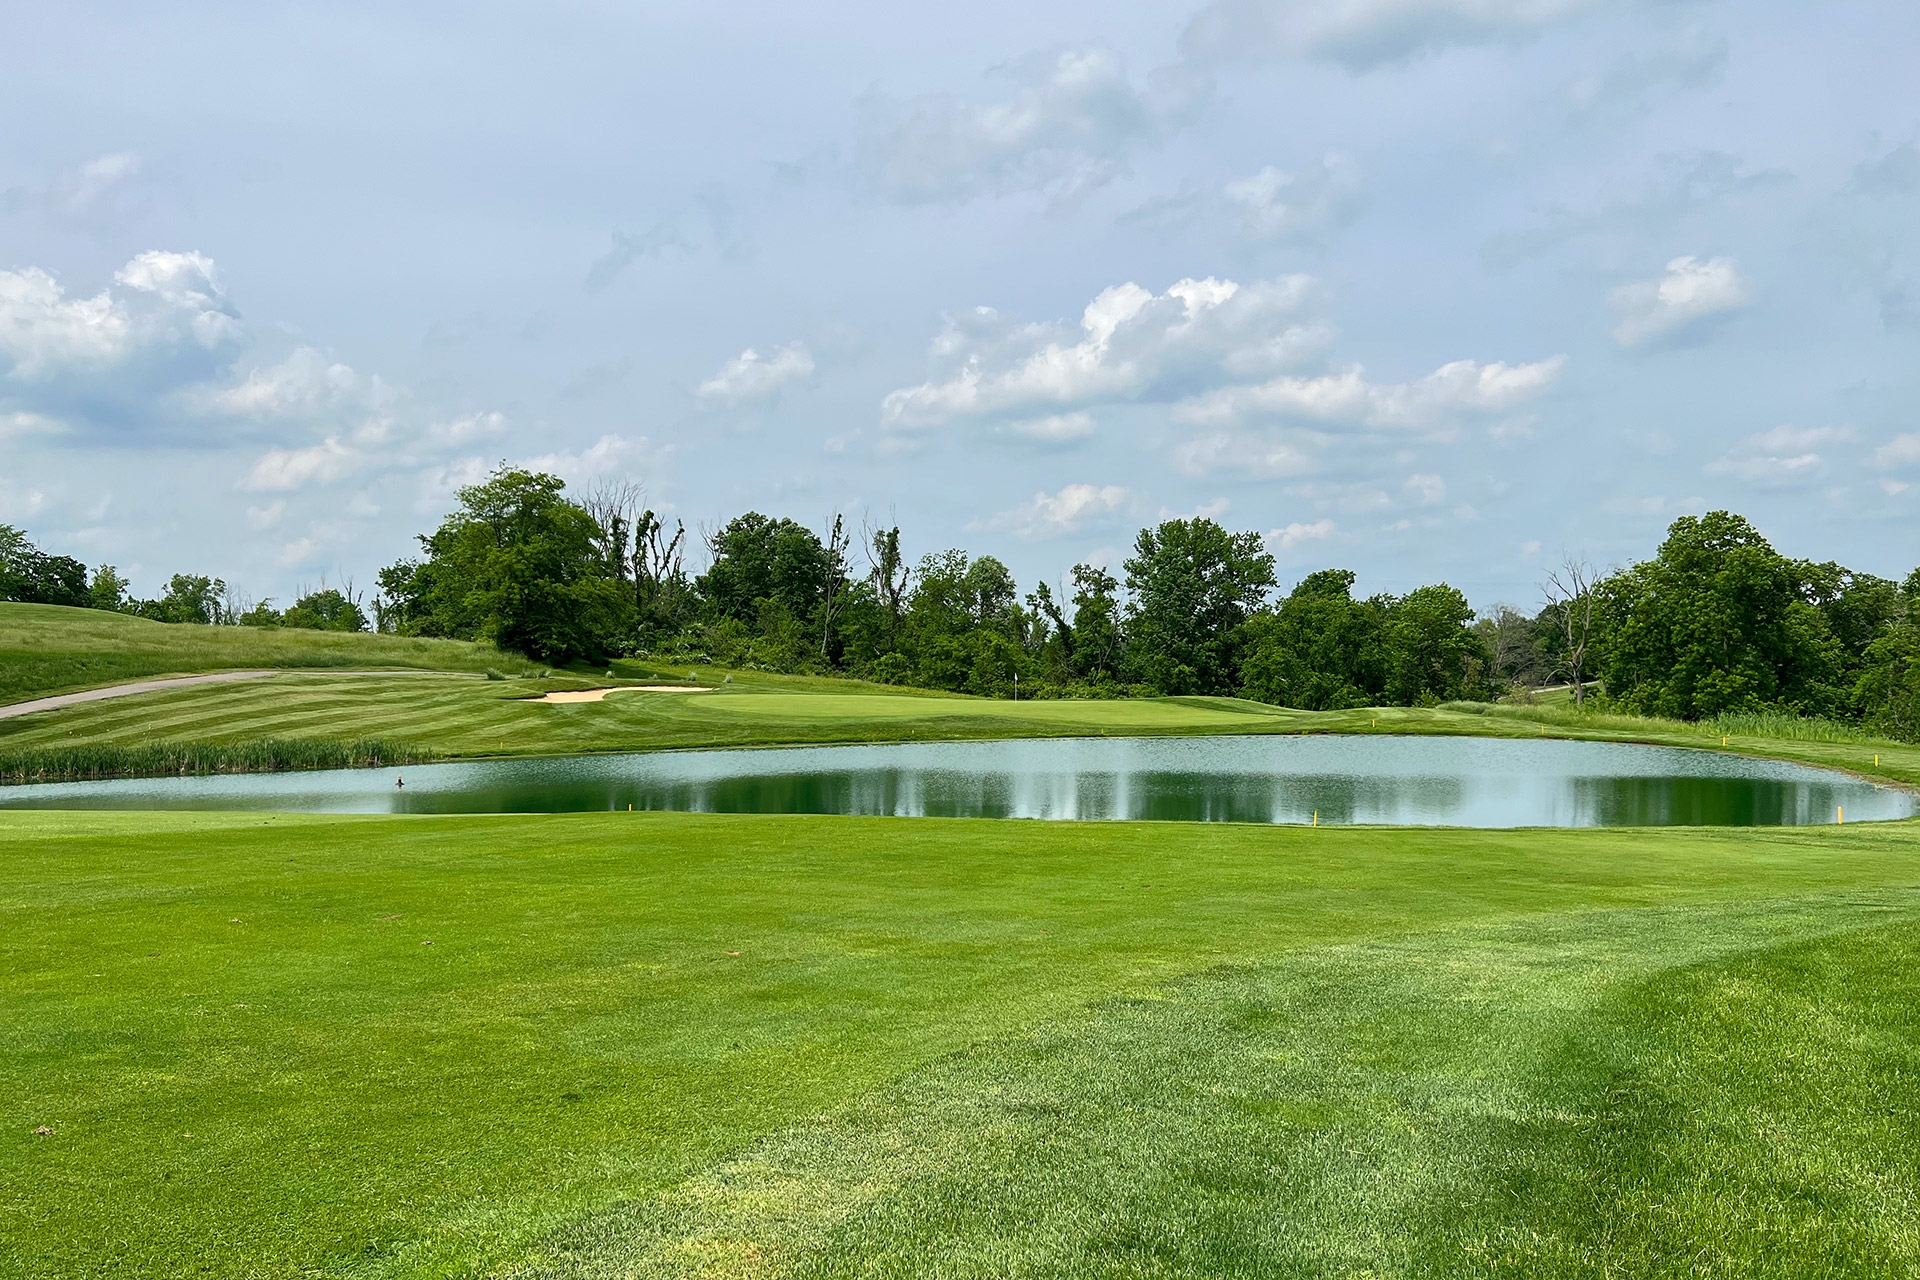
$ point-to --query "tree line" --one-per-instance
(29, 575)
(1716, 622)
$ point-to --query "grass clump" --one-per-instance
(95, 762)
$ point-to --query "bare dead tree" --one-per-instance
(1569, 596)
(658, 562)
(833, 592)
(887, 570)
(615, 506)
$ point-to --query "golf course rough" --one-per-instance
(668, 1044)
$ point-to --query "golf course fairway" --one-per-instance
(605, 1045)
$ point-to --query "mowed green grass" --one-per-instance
(458, 715)
(687, 1045)
(49, 649)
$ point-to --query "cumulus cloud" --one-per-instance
(1362, 34)
(1050, 515)
(305, 385)
(283, 470)
(1295, 534)
(610, 453)
(1130, 344)
(1780, 456)
(1348, 398)
(750, 377)
(1065, 122)
(161, 307)
(1901, 451)
(1428, 489)
(459, 432)
(1682, 304)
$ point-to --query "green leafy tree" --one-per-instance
(31, 576)
(1192, 586)
(1432, 653)
(108, 590)
(519, 565)
(190, 597)
(1321, 650)
(1718, 621)
(326, 610)
(757, 559)
(1099, 648)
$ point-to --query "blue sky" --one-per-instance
(1429, 289)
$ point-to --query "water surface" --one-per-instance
(1473, 782)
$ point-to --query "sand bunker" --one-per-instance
(597, 695)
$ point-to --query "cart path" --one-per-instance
(175, 682)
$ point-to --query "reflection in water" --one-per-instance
(1368, 779)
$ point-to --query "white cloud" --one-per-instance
(1297, 533)
(1056, 428)
(1068, 123)
(305, 385)
(1901, 451)
(282, 470)
(1130, 344)
(749, 376)
(259, 518)
(1270, 207)
(1428, 489)
(608, 454)
(1212, 510)
(29, 424)
(81, 194)
(1780, 456)
(1658, 505)
(460, 432)
(1682, 303)
(160, 303)
(1049, 515)
(1241, 453)
(1363, 34)
(1347, 398)
(1348, 498)
(1274, 206)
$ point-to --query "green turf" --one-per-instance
(47, 649)
(461, 715)
(454, 712)
(951, 1048)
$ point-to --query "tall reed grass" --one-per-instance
(1758, 724)
(159, 759)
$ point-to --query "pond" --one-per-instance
(1473, 782)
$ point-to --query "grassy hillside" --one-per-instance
(46, 649)
(676, 1045)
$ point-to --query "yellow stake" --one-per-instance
(1316, 817)
(1840, 813)
(1723, 740)
(1876, 762)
